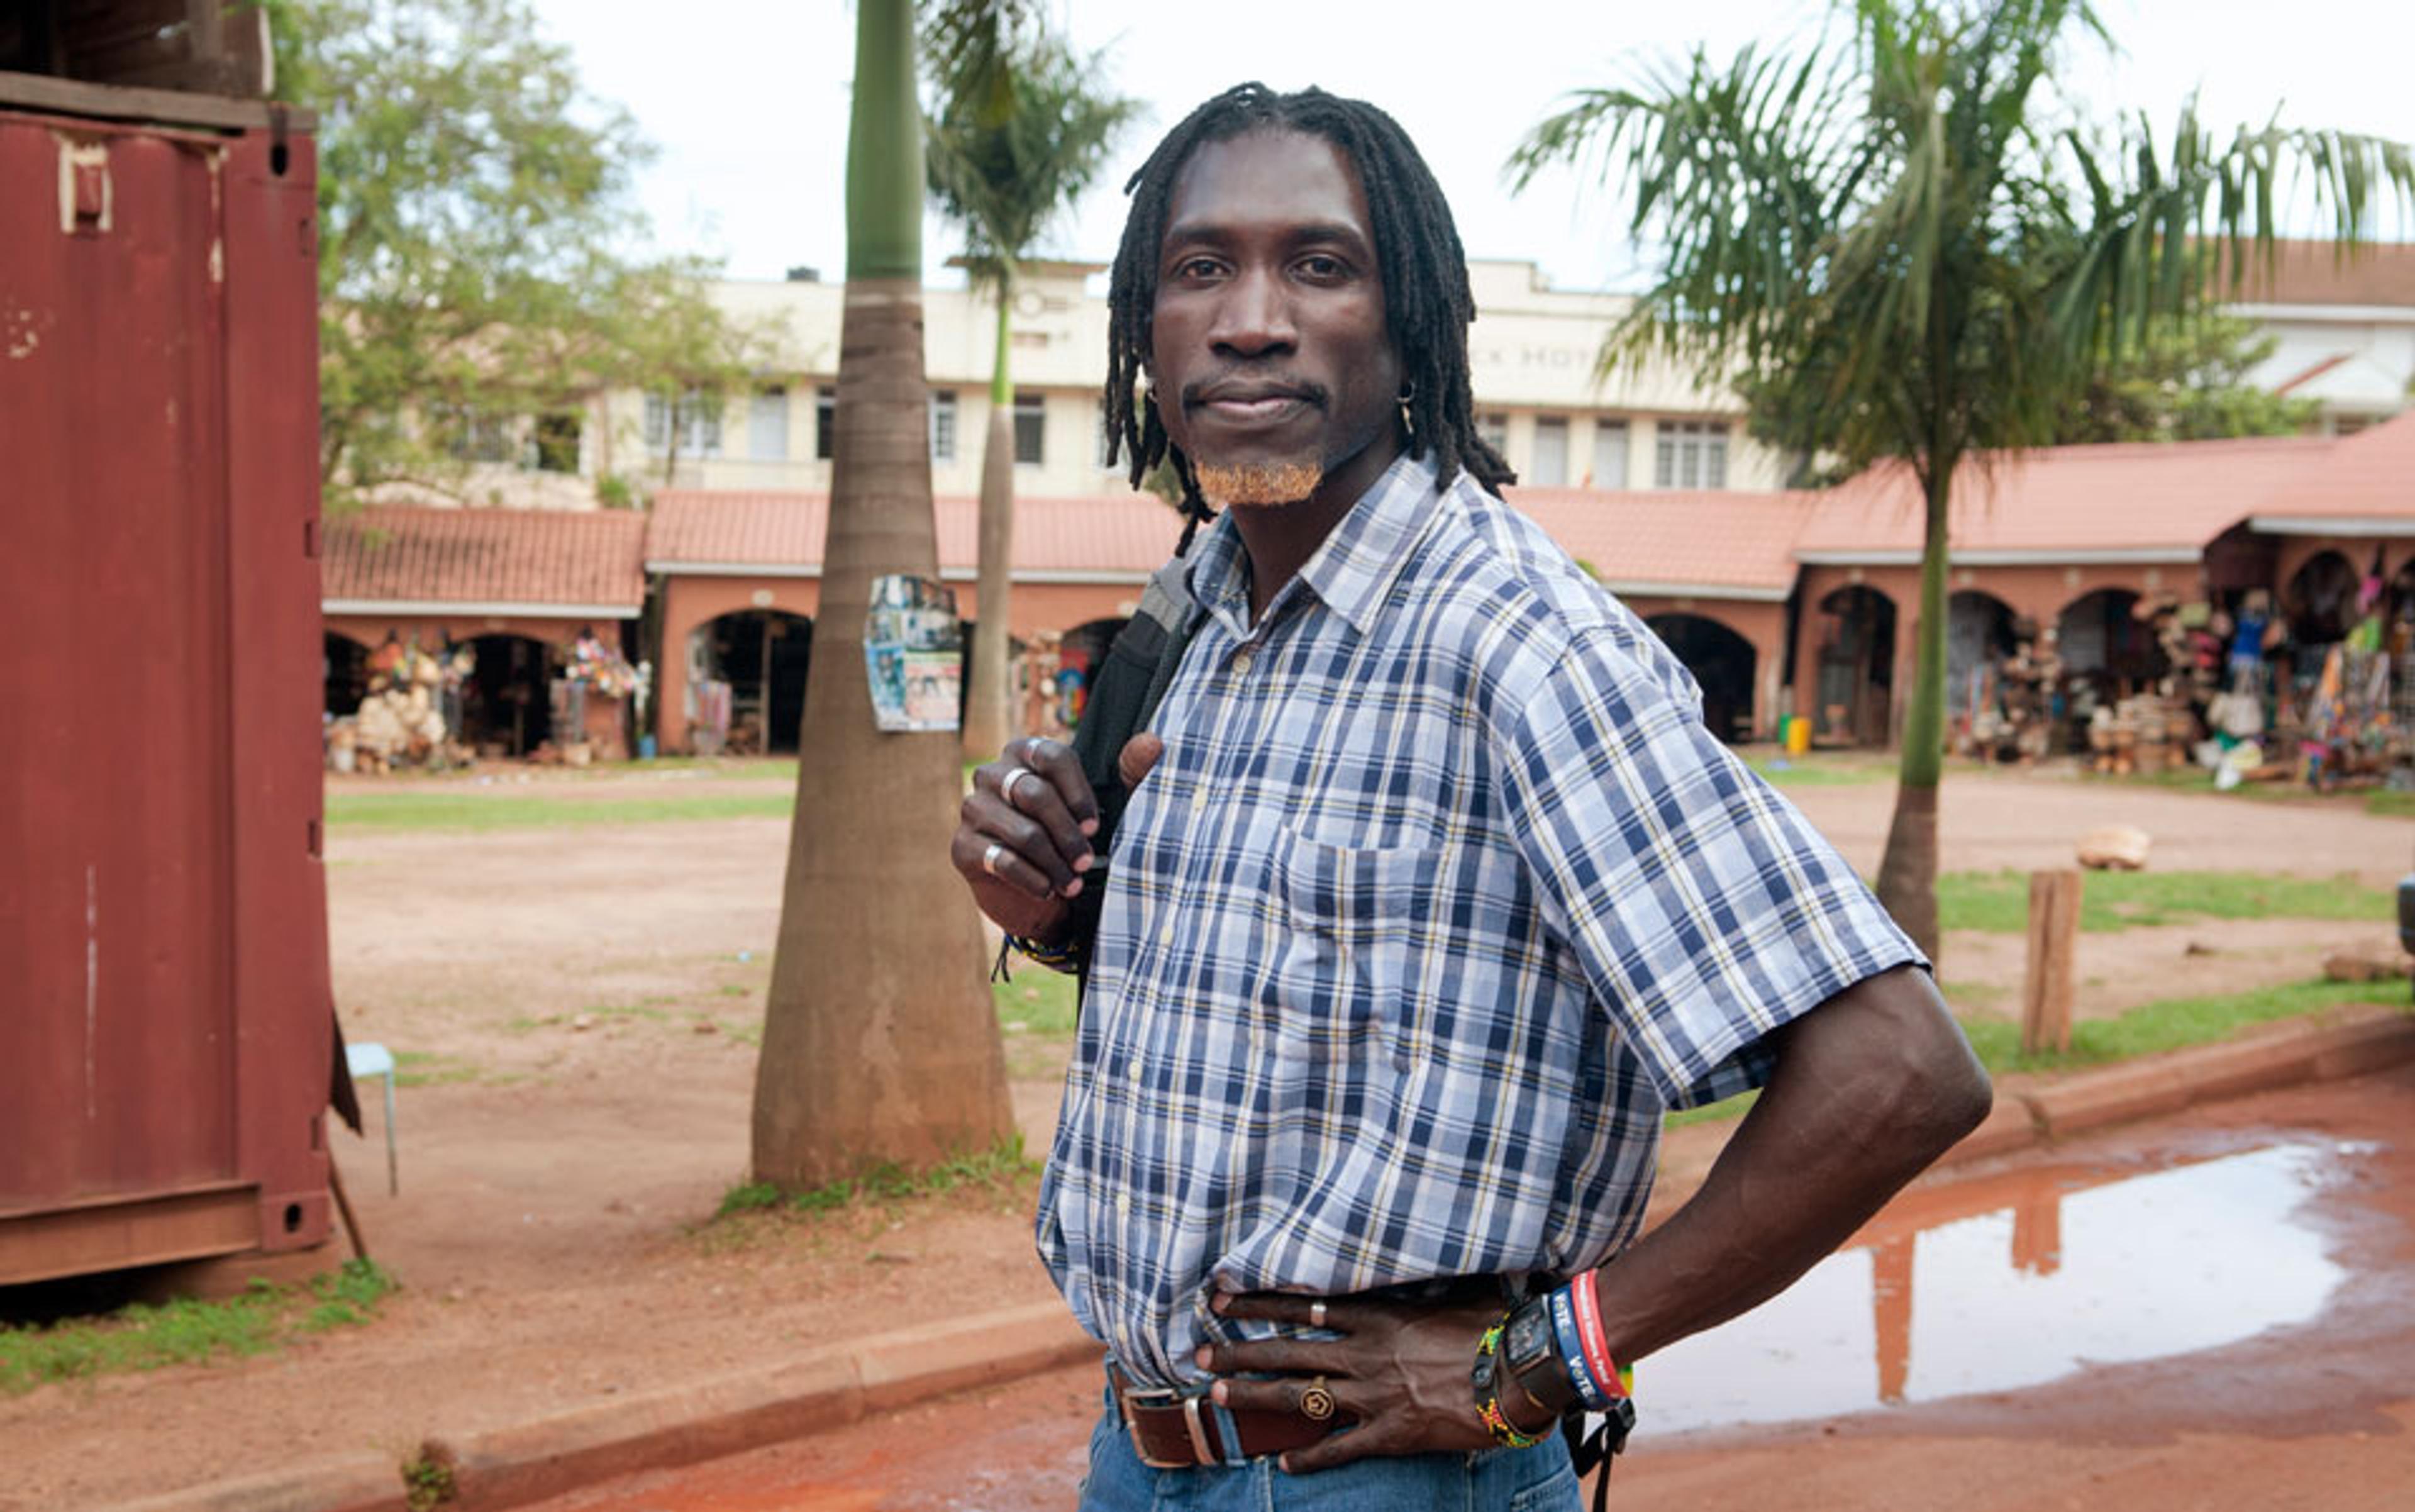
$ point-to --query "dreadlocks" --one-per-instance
(1427, 304)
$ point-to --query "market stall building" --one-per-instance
(1712, 573)
(2057, 548)
(517, 594)
(739, 576)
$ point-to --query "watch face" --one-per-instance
(1529, 1337)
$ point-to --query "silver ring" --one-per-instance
(989, 858)
(1005, 788)
(1316, 1313)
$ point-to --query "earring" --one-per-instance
(1409, 393)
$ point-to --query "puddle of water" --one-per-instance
(1994, 1285)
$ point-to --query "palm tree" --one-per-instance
(1891, 246)
(879, 1041)
(1015, 135)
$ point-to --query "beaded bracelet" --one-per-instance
(1486, 1379)
(1064, 957)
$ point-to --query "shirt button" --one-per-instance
(1123, 1204)
(1199, 800)
(1242, 659)
(1165, 933)
(1132, 1068)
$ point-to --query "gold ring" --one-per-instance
(1316, 1401)
(1316, 1313)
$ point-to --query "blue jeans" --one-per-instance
(1495, 1480)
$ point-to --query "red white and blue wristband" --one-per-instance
(1584, 1346)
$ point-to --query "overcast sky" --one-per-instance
(747, 99)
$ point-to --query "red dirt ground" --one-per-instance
(551, 1231)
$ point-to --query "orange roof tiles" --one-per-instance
(2064, 502)
(2369, 475)
(574, 559)
(1125, 534)
(1666, 541)
(2315, 273)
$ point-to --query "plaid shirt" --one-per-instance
(1439, 897)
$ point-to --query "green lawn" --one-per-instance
(1998, 903)
(1820, 768)
(2173, 1023)
(139, 1337)
(456, 808)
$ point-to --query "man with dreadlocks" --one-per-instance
(1432, 895)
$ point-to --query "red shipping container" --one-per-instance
(165, 1019)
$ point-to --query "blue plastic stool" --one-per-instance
(376, 1060)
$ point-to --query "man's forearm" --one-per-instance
(1869, 1088)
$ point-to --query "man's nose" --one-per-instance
(1253, 316)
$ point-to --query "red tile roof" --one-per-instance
(397, 553)
(2063, 500)
(1124, 533)
(1635, 540)
(2315, 273)
(2369, 475)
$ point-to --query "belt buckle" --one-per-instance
(1159, 1397)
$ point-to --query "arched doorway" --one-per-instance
(1979, 636)
(2107, 652)
(1722, 662)
(1855, 687)
(1079, 655)
(2320, 600)
(344, 669)
(507, 699)
(761, 657)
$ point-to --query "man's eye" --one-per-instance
(1319, 265)
(1195, 267)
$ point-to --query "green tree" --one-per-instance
(1895, 245)
(880, 1041)
(2187, 380)
(481, 261)
(1016, 130)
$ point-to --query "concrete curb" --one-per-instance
(506, 1467)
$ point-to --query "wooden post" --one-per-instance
(2054, 938)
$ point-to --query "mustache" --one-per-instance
(1251, 386)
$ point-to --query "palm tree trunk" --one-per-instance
(989, 711)
(1908, 873)
(879, 1042)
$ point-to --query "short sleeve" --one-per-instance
(1702, 907)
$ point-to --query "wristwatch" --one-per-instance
(1531, 1349)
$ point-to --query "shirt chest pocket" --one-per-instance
(1355, 923)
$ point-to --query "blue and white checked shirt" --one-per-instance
(1439, 897)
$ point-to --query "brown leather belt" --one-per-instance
(1180, 1431)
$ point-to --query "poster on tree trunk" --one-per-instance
(914, 654)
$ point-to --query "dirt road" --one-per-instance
(577, 1007)
(1918, 1368)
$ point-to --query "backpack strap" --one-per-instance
(1131, 680)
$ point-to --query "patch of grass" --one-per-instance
(1711, 1113)
(456, 808)
(431, 1068)
(1037, 1002)
(735, 989)
(428, 1481)
(1002, 1169)
(744, 1031)
(1815, 770)
(2172, 1023)
(2389, 805)
(1998, 903)
(143, 1337)
(1973, 993)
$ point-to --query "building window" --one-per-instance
(470, 435)
(1690, 454)
(1030, 414)
(555, 442)
(1494, 430)
(767, 425)
(1610, 454)
(1550, 469)
(693, 421)
(825, 423)
(943, 425)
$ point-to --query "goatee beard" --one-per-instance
(1224, 485)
